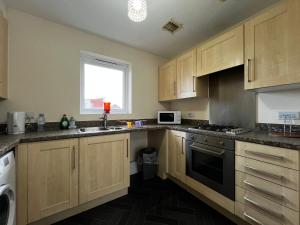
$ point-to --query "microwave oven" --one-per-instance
(169, 117)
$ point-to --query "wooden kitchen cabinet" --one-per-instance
(3, 57)
(104, 165)
(177, 79)
(272, 50)
(52, 177)
(188, 85)
(267, 184)
(177, 154)
(223, 52)
(168, 81)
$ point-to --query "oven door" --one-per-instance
(212, 166)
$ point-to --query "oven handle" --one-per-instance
(206, 151)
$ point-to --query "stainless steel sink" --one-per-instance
(99, 129)
(116, 128)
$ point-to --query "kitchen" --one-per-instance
(211, 97)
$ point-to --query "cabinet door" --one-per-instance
(186, 75)
(177, 155)
(52, 177)
(225, 51)
(272, 50)
(3, 57)
(167, 81)
(104, 165)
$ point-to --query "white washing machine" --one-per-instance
(7, 189)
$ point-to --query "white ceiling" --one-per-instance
(108, 18)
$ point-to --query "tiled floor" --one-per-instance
(154, 202)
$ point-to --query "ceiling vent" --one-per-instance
(172, 26)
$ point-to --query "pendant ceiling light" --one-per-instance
(137, 10)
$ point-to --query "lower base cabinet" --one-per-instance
(104, 166)
(52, 177)
(176, 154)
(57, 176)
(267, 184)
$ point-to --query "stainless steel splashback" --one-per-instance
(229, 103)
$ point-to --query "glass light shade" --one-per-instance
(137, 10)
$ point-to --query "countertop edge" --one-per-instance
(11, 141)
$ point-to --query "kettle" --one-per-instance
(16, 122)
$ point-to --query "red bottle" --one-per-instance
(106, 107)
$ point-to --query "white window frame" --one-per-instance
(100, 60)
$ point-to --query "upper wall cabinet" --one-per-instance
(188, 85)
(272, 49)
(223, 52)
(177, 79)
(168, 81)
(3, 57)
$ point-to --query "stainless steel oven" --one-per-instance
(211, 161)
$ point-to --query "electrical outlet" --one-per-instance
(289, 115)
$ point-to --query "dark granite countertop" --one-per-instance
(8, 142)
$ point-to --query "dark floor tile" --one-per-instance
(153, 202)
(162, 220)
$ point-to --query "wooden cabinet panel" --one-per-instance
(3, 56)
(253, 216)
(223, 52)
(269, 154)
(269, 209)
(177, 155)
(272, 50)
(168, 81)
(276, 174)
(52, 177)
(188, 85)
(186, 75)
(279, 194)
(104, 165)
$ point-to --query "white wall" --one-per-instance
(2, 8)
(192, 108)
(269, 104)
(44, 69)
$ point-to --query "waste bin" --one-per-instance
(149, 163)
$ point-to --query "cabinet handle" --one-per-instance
(194, 84)
(127, 149)
(175, 88)
(272, 213)
(249, 70)
(253, 219)
(279, 177)
(280, 197)
(182, 152)
(73, 158)
(277, 157)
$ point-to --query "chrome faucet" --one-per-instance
(104, 119)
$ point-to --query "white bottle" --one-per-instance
(41, 121)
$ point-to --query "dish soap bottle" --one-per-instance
(64, 122)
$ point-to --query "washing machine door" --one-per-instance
(7, 205)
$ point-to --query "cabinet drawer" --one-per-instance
(279, 175)
(279, 194)
(254, 217)
(277, 156)
(270, 210)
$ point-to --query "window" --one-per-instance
(104, 80)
